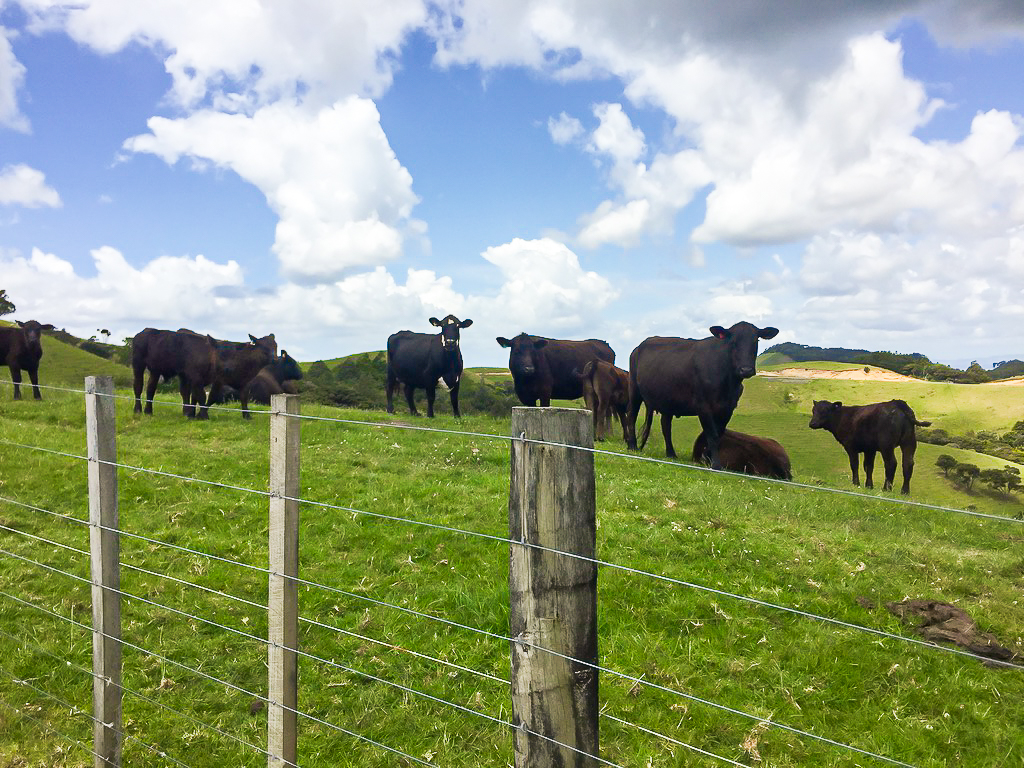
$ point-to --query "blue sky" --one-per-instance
(852, 175)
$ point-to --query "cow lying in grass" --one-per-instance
(747, 454)
(273, 379)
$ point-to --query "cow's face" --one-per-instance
(742, 340)
(822, 413)
(289, 368)
(450, 327)
(522, 360)
(267, 345)
(32, 331)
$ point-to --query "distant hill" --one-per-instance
(1007, 369)
(788, 352)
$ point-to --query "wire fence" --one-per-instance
(407, 691)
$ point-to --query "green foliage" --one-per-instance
(6, 305)
(966, 473)
(945, 462)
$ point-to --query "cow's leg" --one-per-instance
(137, 386)
(908, 449)
(392, 385)
(713, 435)
(431, 394)
(622, 420)
(629, 425)
(16, 378)
(185, 389)
(853, 465)
(243, 396)
(410, 392)
(154, 380)
(889, 457)
(666, 430)
(646, 431)
(199, 401)
(453, 394)
(869, 468)
(33, 375)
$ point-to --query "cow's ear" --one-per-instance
(21, 324)
(503, 341)
(253, 339)
(465, 324)
(768, 333)
(719, 332)
(538, 343)
(435, 322)
(837, 405)
(284, 354)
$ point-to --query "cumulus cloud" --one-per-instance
(22, 185)
(342, 197)
(241, 54)
(564, 128)
(12, 76)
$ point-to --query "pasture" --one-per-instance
(839, 556)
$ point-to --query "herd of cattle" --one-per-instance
(668, 375)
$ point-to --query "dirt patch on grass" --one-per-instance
(940, 622)
(850, 374)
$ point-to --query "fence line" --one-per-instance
(513, 542)
(510, 541)
(211, 678)
(602, 452)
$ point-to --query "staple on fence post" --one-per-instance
(283, 623)
(104, 548)
(553, 598)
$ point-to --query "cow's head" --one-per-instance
(742, 340)
(32, 330)
(522, 360)
(823, 412)
(287, 367)
(267, 345)
(450, 327)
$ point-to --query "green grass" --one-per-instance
(811, 550)
(822, 365)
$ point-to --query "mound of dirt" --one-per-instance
(850, 374)
(940, 622)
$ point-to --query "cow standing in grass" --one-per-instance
(605, 389)
(871, 429)
(418, 360)
(239, 362)
(689, 377)
(273, 379)
(545, 369)
(21, 349)
(189, 356)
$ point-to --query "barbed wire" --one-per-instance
(75, 709)
(604, 563)
(211, 678)
(71, 665)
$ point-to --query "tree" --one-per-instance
(6, 305)
(994, 478)
(945, 462)
(967, 473)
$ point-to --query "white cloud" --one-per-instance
(564, 128)
(545, 288)
(22, 185)
(343, 198)
(247, 53)
(12, 76)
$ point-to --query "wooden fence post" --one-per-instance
(553, 597)
(283, 623)
(104, 548)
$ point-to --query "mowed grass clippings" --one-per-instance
(836, 556)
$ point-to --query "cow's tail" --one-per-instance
(648, 420)
(902, 405)
(587, 372)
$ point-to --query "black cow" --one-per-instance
(749, 454)
(868, 429)
(21, 349)
(605, 389)
(273, 379)
(689, 377)
(239, 363)
(189, 356)
(544, 368)
(418, 360)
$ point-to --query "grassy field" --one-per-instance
(830, 554)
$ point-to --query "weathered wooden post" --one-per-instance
(553, 597)
(104, 548)
(283, 622)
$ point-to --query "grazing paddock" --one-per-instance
(386, 600)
